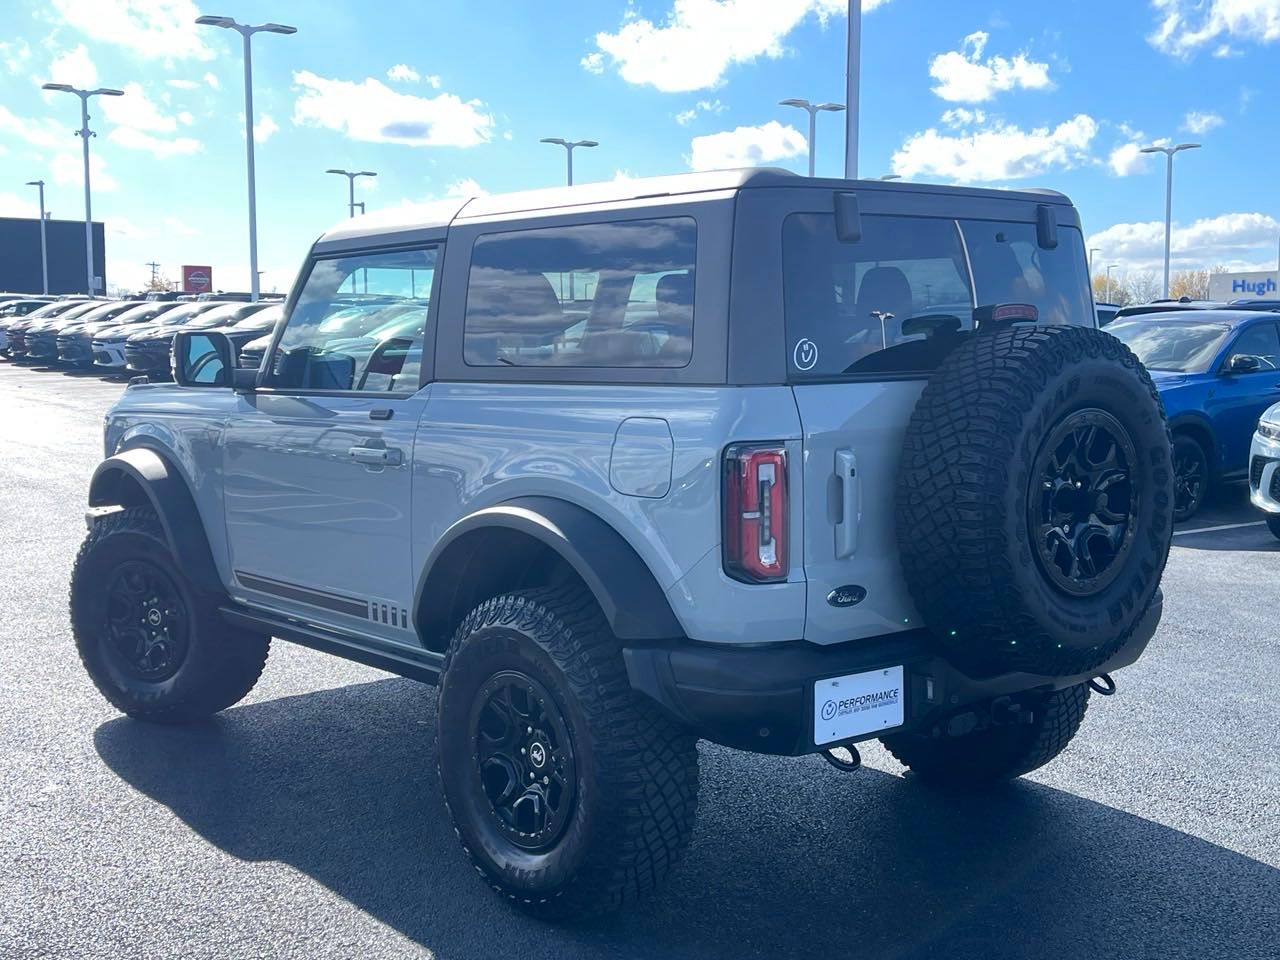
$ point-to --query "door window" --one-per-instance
(616, 294)
(359, 324)
(1262, 341)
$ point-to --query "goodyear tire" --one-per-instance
(570, 795)
(151, 642)
(1035, 500)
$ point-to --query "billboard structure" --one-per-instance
(20, 270)
(1259, 285)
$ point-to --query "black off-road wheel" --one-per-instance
(1035, 500)
(152, 643)
(1190, 477)
(571, 795)
(996, 754)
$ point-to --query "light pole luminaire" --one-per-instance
(85, 133)
(1168, 199)
(568, 146)
(246, 32)
(351, 187)
(44, 248)
(813, 110)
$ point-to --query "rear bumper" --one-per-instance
(761, 698)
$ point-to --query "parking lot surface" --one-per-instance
(308, 822)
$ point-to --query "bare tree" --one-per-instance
(1193, 284)
(1143, 286)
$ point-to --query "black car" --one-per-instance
(73, 339)
(43, 342)
(1106, 312)
(148, 351)
(51, 317)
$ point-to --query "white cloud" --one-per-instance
(135, 139)
(699, 40)
(154, 29)
(75, 67)
(135, 109)
(1184, 26)
(961, 117)
(746, 147)
(67, 170)
(47, 133)
(702, 107)
(178, 227)
(404, 72)
(183, 84)
(964, 77)
(465, 187)
(13, 205)
(126, 228)
(212, 80)
(1128, 159)
(1235, 240)
(433, 79)
(14, 54)
(373, 112)
(1201, 123)
(264, 128)
(622, 176)
(1003, 151)
(185, 118)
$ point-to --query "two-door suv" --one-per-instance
(780, 463)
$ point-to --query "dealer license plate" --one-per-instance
(857, 704)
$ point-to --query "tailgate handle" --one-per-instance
(850, 503)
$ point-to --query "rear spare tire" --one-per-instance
(1035, 500)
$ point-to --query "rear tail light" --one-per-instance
(756, 513)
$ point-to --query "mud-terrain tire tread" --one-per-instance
(231, 670)
(981, 759)
(960, 451)
(646, 764)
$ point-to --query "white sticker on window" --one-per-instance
(805, 355)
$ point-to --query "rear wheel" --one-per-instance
(152, 643)
(571, 795)
(997, 753)
(1190, 477)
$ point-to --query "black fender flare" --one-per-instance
(630, 597)
(164, 489)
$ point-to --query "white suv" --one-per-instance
(1264, 468)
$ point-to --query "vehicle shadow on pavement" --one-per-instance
(790, 857)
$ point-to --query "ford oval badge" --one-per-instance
(847, 596)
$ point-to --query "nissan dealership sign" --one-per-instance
(1263, 285)
(197, 279)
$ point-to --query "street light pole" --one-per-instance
(1092, 251)
(853, 67)
(86, 133)
(351, 187)
(1168, 199)
(1110, 267)
(812, 109)
(246, 32)
(568, 146)
(44, 249)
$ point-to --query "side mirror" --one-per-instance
(202, 358)
(1243, 363)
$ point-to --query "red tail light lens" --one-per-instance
(756, 513)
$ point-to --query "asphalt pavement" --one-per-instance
(307, 821)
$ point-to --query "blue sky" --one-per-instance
(449, 97)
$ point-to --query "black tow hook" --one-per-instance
(840, 763)
(1106, 687)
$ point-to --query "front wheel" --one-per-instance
(571, 796)
(998, 753)
(151, 642)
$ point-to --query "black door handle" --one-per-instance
(380, 413)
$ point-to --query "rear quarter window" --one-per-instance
(608, 294)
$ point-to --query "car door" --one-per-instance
(1237, 400)
(317, 459)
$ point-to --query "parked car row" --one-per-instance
(128, 336)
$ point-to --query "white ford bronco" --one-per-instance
(780, 463)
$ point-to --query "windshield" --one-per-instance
(896, 300)
(1178, 346)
